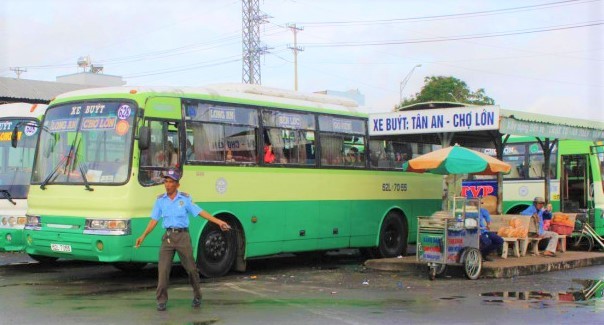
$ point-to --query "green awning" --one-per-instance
(545, 126)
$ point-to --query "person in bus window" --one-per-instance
(352, 156)
(229, 156)
(269, 156)
(190, 152)
(174, 207)
(172, 154)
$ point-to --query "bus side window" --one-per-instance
(332, 150)
(378, 156)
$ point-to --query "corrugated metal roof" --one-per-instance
(37, 90)
(549, 119)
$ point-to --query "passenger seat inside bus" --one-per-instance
(513, 172)
(536, 169)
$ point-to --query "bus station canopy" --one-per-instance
(446, 123)
(476, 126)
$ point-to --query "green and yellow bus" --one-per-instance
(22, 119)
(575, 171)
(98, 165)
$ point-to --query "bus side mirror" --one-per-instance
(144, 138)
(14, 137)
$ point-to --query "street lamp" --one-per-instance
(404, 82)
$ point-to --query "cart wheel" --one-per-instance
(472, 263)
(440, 268)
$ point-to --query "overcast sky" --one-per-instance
(550, 58)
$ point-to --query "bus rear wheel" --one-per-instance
(216, 251)
(393, 236)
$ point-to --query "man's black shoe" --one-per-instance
(196, 302)
(487, 259)
(161, 306)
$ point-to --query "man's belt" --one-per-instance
(177, 229)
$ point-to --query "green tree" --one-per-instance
(448, 89)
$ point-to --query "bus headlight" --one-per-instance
(107, 227)
(12, 222)
(32, 222)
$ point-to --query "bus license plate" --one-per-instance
(60, 248)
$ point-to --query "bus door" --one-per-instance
(162, 118)
(574, 183)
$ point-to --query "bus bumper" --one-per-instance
(11, 240)
(80, 246)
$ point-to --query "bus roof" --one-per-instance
(22, 110)
(254, 94)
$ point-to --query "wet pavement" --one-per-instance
(337, 289)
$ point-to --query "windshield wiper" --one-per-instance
(8, 196)
(77, 162)
(86, 184)
(47, 179)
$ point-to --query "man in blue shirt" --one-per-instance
(536, 211)
(489, 240)
(174, 208)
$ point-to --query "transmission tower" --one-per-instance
(252, 50)
(18, 71)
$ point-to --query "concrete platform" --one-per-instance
(502, 268)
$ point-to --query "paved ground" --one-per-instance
(331, 289)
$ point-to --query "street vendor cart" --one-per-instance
(451, 237)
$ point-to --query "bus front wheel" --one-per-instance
(216, 251)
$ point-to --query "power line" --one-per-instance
(185, 67)
(457, 38)
(447, 16)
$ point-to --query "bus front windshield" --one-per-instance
(15, 163)
(85, 143)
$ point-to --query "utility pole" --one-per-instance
(252, 18)
(18, 71)
(296, 49)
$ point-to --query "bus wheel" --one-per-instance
(216, 251)
(44, 259)
(129, 267)
(393, 236)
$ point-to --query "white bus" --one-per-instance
(15, 169)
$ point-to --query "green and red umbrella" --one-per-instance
(456, 160)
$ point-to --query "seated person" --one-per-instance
(489, 240)
(536, 212)
(547, 216)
